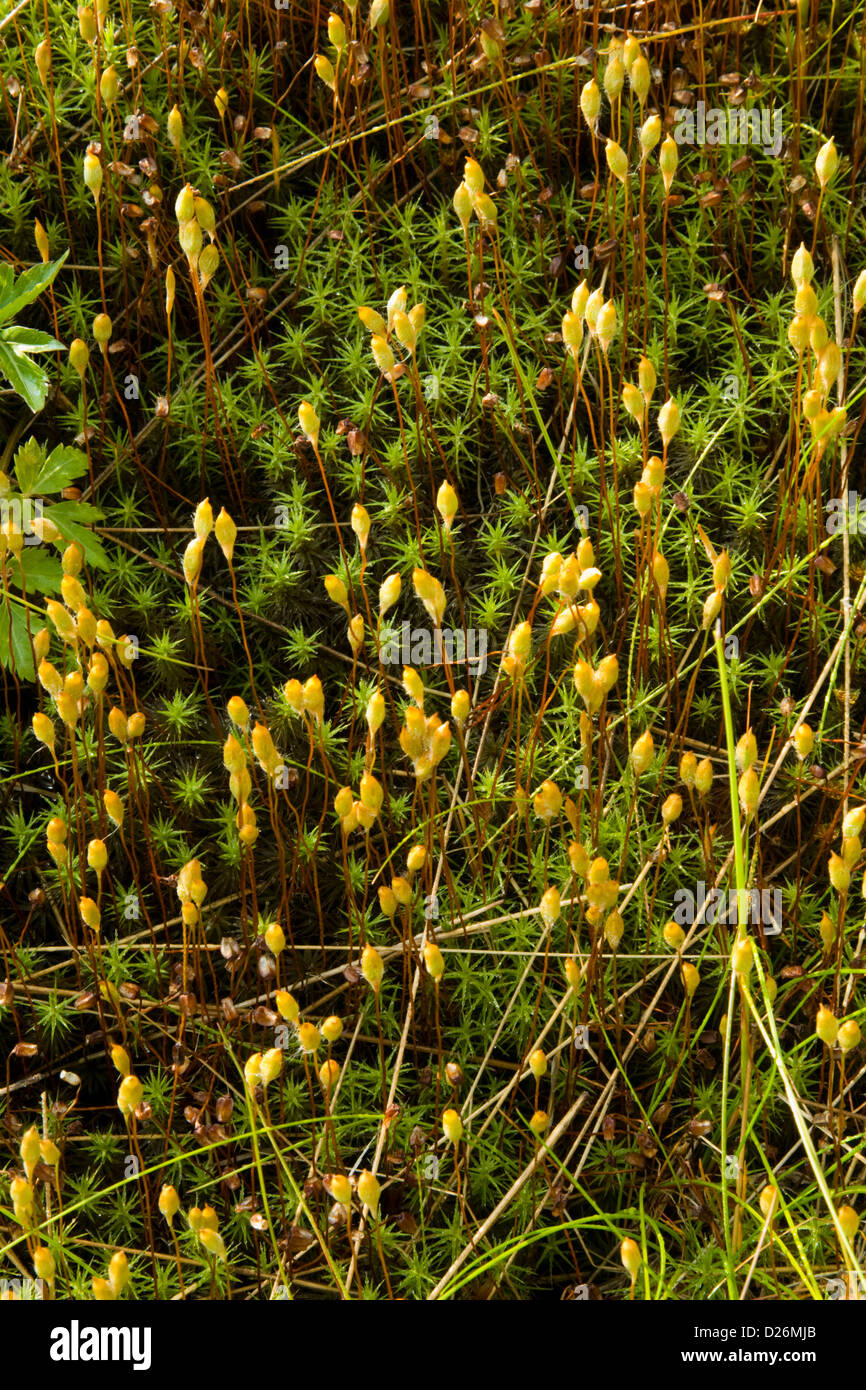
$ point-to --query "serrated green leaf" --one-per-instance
(28, 287)
(83, 513)
(29, 381)
(28, 339)
(13, 623)
(63, 465)
(29, 461)
(66, 517)
(42, 570)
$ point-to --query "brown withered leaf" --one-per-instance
(297, 1241)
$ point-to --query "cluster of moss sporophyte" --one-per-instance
(432, 763)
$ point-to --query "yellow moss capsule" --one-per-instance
(29, 1150)
(433, 960)
(452, 1126)
(79, 356)
(309, 421)
(43, 728)
(849, 1221)
(629, 1253)
(43, 1264)
(827, 930)
(743, 957)
(340, 1188)
(382, 354)
(691, 979)
(485, 210)
(102, 330)
(550, 907)
(547, 802)
(606, 324)
(617, 160)
(447, 504)
(332, 1029)
(329, 1071)
(633, 401)
(640, 78)
(135, 725)
(118, 1272)
(748, 790)
(372, 793)
(579, 299)
(379, 13)
(430, 592)
(309, 1037)
(93, 172)
(826, 162)
(275, 938)
(826, 1025)
(271, 1065)
(372, 967)
(650, 134)
(674, 935)
(704, 776)
(175, 126)
(590, 102)
(462, 204)
(213, 1243)
(578, 859)
(614, 928)
(646, 376)
(387, 901)
(109, 85)
(252, 1076)
(668, 160)
(416, 859)
(169, 1202)
(226, 532)
(86, 23)
(768, 1198)
(460, 706)
(802, 266)
(130, 1095)
(607, 673)
(369, 1191)
(389, 592)
(642, 753)
(669, 420)
(848, 1036)
(287, 1005)
(402, 890)
(538, 1063)
(337, 32)
(840, 874)
(360, 522)
(90, 914)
